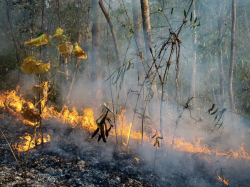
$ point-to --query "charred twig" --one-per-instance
(102, 127)
(10, 148)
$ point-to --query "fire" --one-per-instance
(137, 160)
(10, 101)
(25, 145)
(223, 180)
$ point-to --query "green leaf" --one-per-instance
(40, 33)
(199, 24)
(160, 9)
(215, 117)
(172, 11)
(195, 20)
(185, 13)
(129, 65)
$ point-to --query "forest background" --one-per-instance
(213, 62)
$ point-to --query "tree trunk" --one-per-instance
(230, 82)
(192, 94)
(112, 31)
(147, 29)
(96, 42)
(59, 18)
(138, 31)
(221, 97)
(14, 39)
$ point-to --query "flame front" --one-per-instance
(10, 101)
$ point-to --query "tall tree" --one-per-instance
(231, 70)
(106, 14)
(220, 62)
(96, 42)
(13, 37)
(138, 31)
(147, 28)
(192, 94)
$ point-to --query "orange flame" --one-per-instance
(223, 180)
(25, 145)
(12, 102)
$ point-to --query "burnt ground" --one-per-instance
(71, 159)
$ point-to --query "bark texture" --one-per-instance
(147, 28)
(192, 94)
(138, 31)
(231, 70)
(96, 43)
(220, 59)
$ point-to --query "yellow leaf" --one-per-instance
(28, 66)
(41, 40)
(59, 32)
(66, 49)
(78, 52)
(41, 67)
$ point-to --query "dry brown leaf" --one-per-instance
(66, 49)
(78, 52)
(42, 89)
(28, 66)
(41, 40)
(30, 114)
(41, 67)
(61, 38)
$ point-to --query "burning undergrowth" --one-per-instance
(184, 156)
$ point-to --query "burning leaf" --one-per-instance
(66, 49)
(41, 40)
(28, 66)
(78, 52)
(59, 32)
(29, 113)
(42, 89)
(42, 67)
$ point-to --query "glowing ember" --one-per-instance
(223, 180)
(137, 160)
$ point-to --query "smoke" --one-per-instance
(194, 125)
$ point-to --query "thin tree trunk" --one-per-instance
(192, 94)
(147, 28)
(14, 39)
(96, 43)
(59, 18)
(230, 82)
(112, 31)
(221, 98)
(138, 31)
